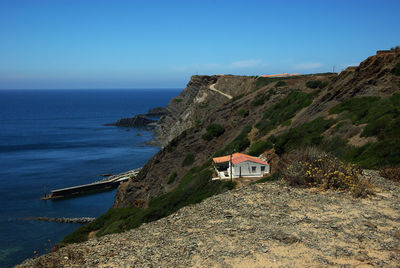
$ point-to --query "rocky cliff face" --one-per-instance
(196, 102)
(181, 130)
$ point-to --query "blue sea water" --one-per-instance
(55, 138)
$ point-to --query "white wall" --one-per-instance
(246, 169)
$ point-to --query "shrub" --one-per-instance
(283, 110)
(213, 130)
(308, 134)
(316, 84)
(396, 69)
(203, 106)
(178, 100)
(259, 100)
(243, 112)
(382, 117)
(259, 147)
(311, 167)
(262, 81)
(280, 83)
(238, 97)
(172, 177)
(189, 159)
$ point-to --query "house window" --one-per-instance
(262, 168)
(253, 169)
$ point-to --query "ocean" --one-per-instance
(53, 139)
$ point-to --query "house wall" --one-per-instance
(246, 169)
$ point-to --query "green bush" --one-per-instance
(262, 81)
(172, 177)
(396, 69)
(203, 106)
(243, 112)
(189, 159)
(316, 84)
(283, 111)
(238, 97)
(308, 134)
(259, 147)
(280, 83)
(213, 130)
(382, 117)
(178, 100)
(259, 100)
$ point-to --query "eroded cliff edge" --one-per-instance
(261, 104)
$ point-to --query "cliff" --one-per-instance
(353, 116)
(271, 107)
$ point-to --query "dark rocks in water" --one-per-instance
(158, 111)
(136, 121)
(141, 120)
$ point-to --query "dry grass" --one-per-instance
(391, 173)
(311, 167)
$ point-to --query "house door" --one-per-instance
(240, 171)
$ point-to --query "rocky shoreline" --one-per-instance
(261, 225)
(141, 120)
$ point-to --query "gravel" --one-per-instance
(260, 225)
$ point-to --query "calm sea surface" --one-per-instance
(55, 138)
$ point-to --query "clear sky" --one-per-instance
(160, 44)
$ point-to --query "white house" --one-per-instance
(242, 165)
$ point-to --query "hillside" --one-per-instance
(282, 107)
(263, 225)
(353, 116)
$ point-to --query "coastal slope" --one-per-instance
(267, 224)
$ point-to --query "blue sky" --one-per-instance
(160, 44)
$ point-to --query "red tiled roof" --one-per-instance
(238, 158)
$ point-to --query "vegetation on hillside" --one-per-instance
(213, 130)
(193, 188)
(283, 111)
(311, 167)
(382, 117)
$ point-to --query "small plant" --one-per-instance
(238, 97)
(189, 159)
(396, 69)
(178, 100)
(172, 177)
(203, 106)
(243, 112)
(213, 130)
(311, 167)
(316, 84)
(280, 83)
(259, 100)
(259, 147)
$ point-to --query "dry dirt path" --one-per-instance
(212, 87)
(262, 225)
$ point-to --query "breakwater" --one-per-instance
(102, 185)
